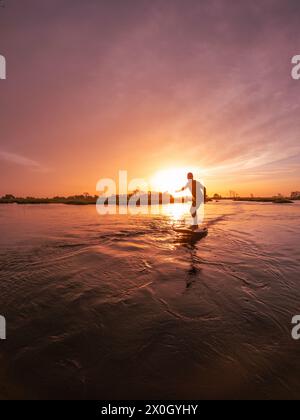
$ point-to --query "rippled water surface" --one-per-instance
(124, 307)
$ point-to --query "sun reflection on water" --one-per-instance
(177, 212)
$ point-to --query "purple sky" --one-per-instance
(96, 86)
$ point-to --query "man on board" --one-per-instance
(198, 192)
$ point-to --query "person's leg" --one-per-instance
(193, 211)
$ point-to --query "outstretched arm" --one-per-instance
(181, 189)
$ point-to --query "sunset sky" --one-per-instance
(99, 86)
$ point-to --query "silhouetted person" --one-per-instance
(198, 192)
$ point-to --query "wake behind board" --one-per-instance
(198, 233)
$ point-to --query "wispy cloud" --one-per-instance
(22, 161)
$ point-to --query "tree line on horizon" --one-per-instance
(86, 198)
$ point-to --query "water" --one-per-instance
(123, 307)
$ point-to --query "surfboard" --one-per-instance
(198, 233)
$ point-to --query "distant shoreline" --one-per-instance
(276, 200)
(82, 201)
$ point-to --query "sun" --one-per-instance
(170, 180)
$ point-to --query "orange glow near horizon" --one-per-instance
(172, 179)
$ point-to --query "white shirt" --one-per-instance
(198, 192)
